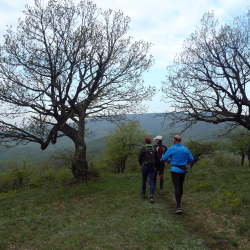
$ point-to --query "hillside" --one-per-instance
(153, 125)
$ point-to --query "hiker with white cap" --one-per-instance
(159, 168)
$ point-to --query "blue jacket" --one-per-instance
(179, 155)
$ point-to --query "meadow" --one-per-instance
(108, 212)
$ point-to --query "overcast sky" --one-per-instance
(165, 23)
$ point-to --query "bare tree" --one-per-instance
(69, 63)
(208, 80)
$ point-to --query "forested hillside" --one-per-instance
(153, 126)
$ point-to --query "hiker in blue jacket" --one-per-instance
(148, 158)
(179, 156)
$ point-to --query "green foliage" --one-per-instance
(64, 175)
(17, 176)
(63, 157)
(52, 175)
(24, 174)
(20, 171)
(238, 142)
(103, 166)
(200, 149)
(48, 172)
(106, 167)
(5, 182)
(49, 175)
(123, 144)
(132, 165)
(223, 159)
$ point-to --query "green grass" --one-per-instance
(109, 213)
(106, 214)
(219, 196)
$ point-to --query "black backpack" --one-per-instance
(149, 159)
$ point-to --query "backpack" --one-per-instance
(149, 158)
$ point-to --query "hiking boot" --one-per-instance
(152, 199)
(160, 191)
(178, 210)
(142, 195)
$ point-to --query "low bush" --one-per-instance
(63, 175)
(223, 159)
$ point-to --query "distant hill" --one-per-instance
(153, 125)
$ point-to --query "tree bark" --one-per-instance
(79, 165)
(123, 166)
(248, 153)
(242, 159)
(119, 169)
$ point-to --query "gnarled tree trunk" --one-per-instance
(79, 165)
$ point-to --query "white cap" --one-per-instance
(158, 137)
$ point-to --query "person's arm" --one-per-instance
(140, 156)
(165, 150)
(190, 157)
(166, 156)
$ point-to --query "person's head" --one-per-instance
(147, 140)
(158, 138)
(177, 139)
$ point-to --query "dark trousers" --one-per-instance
(178, 180)
(148, 172)
(159, 169)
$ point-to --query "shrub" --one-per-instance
(63, 175)
(49, 175)
(222, 159)
(5, 183)
(20, 171)
(133, 166)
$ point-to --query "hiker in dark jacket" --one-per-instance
(148, 158)
(159, 168)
